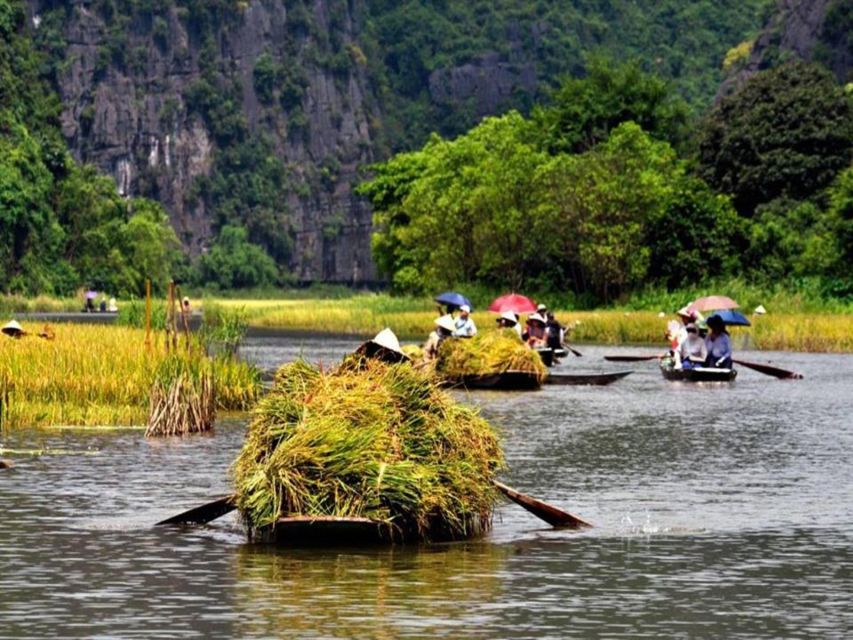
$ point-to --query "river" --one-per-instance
(721, 511)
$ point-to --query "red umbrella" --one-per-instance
(713, 303)
(514, 302)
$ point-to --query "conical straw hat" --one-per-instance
(12, 328)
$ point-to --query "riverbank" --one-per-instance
(365, 315)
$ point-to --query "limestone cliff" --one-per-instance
(126, 85)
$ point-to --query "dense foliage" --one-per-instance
(62, 226)
(611, 207)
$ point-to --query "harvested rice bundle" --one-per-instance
(182, 397)
(368, 439)
(488, 353)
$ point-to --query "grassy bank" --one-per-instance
(412, 318)
(96, 375)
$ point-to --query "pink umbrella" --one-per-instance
(514, 302)
(713, 303)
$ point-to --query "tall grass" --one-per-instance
(97, 375)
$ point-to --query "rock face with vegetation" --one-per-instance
(252, 114)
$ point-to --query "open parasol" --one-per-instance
(713, 303)
(514, 302)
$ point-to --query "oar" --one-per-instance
(656, 356)
(574, 351)
(552, 515)
(766, 369)
(205, 513)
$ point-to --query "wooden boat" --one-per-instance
(301, 531)
(585, 378)
(699, 374)
(506, 381)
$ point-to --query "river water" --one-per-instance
(721, 511)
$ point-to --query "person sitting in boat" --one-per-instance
(676, 332)
(444, 328)
(509, 320)
(534, 333)
(718, 344)
(555, 333)
(542, 310)
(464, 324)
(692, 352)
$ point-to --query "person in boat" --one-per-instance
(676, 331)
(464, 324)
(555, 333)
(13, 329)
(534, 333)
(508, 320)
(718, 344)
(542, 310)
(444, 328)
(692, 352)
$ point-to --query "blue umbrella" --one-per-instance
(732, 317)
(453, 299)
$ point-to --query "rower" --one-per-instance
(444, 328)
(535, 331)
(464, 326)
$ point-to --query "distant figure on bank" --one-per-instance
(718, 344)
(90, 305)
(444, 329)
(13, 329)
(102, 306)
(692, 352)
(508, 320)
(185, 305)
(113, 307)
(464, 324)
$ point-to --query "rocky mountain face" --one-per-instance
(130, 83)
(811, 30)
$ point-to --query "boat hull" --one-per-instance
(586, 378)
(506, 381)
(702, 374)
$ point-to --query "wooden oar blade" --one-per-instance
(766, 369)
(632, 358)
(574, 351)
(204, 513)
(557, 518)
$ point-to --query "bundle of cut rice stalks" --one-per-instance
(368, 440)
(488, 353)
(182, 397)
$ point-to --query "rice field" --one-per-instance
(93, 375)
(412, 318)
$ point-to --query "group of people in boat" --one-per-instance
(698, 342)
(542, 330)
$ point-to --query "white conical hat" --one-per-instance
(12, 328)
(508, 315)
(387, 339)
(760, 309)
(536, 317)
(446, 322)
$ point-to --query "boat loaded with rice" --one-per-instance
(490, 360)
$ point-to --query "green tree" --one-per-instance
(583, 111)
(234, 263)
(786, 132)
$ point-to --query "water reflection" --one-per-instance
(380, 593)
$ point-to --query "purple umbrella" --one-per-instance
(91, 295)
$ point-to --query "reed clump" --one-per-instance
(368, 439)
(182, 397)
(487, 353)
(99, 375)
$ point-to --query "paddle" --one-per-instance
(656, 356)
(574, 351)
(766, 369)
(557, 518)
(204, 513)
(552, 515)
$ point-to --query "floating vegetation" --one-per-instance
(98, 375)
(370, 440)
(488, 353)
(182, 397)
